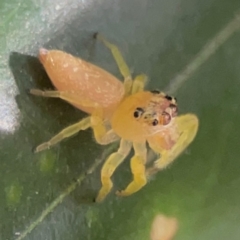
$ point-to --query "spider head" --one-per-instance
(159, 110)
(143, 114)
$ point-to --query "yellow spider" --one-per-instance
(118, 111)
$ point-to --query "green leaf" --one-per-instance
(189, 47)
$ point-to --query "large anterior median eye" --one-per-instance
(165, 118)
(138, 112)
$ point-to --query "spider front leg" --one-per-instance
(138, 170)
(113, 161)
(187, 126)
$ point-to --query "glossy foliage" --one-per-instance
(40, 195)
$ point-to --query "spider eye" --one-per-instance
(165, 118)
(138, 112)
(155, 91)
(174, 110)
(168, 97)
(155, 122)
(173, 100)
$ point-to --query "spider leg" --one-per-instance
(69, 96)
(123, 68)
(138, 170)
(139, 83)
(188, 126)
(65, 133)
(102, 135)
(96, 121)
(113, 161)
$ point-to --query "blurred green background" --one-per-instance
(159, 38)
